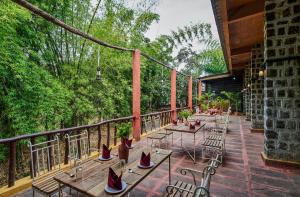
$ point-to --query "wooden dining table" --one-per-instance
(94, 176)
(180, 127)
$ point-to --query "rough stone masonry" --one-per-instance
(282, 84)
(257, 88)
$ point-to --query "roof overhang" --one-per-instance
(217, 76)
(240, 26)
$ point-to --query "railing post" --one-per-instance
(33, 173)
(136, 95)
(99, 137)
(190, 93)
(66, 160)
(89, 140)
(108, 135)
(173, 94)
(115, 135)
(12, 163)
(49, 137)
(199, 93)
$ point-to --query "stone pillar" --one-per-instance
(282, 84)
(190, 93)
(247, 93)
(199, 92)
(173, 94)
(257, 90)
(136, 95)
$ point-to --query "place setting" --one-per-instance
(106, 156)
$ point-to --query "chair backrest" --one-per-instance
(197, 110)
(45, 157)
(156, 122)
(207, 173)
(147, 124)
(78, 147)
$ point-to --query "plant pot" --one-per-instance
(186, 123)
(123, 151)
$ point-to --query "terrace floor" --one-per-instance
(243, 173)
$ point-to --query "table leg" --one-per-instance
(194, 148)
(59, 190)
(170, 170)
(181, 138)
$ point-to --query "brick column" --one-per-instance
(173, 94)
(282, 84)
(190, 93)
(199, 92)
(136, 95)
(257, 90)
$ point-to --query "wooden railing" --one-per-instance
(98, 133)
(96, 129)
(165, 117)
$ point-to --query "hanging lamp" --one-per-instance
(98, 74)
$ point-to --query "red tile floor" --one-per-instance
(243, 172)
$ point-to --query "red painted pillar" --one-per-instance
(136, 95)
(190, 93)
(173, 94)
(199, 92)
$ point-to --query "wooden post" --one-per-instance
(12, 163)
(115, 135)
(89, 141)
(99, 137)
(49, 137)
(66, 160)
(173, 94)
(108, 135)
(199, 93)
(33, 173)
(190, 93)
(136, 95)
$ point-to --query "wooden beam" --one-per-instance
(246, 11)
(223, 6)
(239, 66)
(241, 50)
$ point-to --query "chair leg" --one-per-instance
(33, 193)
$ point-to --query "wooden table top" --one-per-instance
(185, 129)
(95, 172)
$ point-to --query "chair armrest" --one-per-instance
(193, 172)
(201, 191)
(215, 162)
(172, 189)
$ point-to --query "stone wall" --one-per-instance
(247, 94)
(282, 84)
(257, 87)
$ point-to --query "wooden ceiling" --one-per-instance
(242, 25)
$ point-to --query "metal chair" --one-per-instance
(154, 136)
(45, 164)
(79, 149)
(157, 123)
(202, 188)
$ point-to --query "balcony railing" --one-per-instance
(98, 133)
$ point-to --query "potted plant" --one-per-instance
(123, 132)
(184, 115)
(234, 100)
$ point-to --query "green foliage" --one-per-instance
(185, 114)
(124, 130)
(234, 98)
(48, 74)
